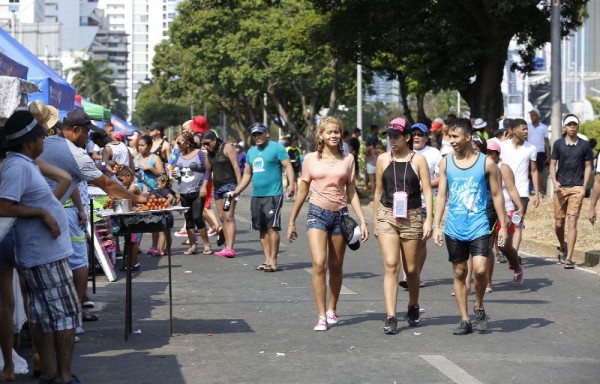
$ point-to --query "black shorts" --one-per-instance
(266, 212)
(525, 202)
(459, 251)
(492, 217)
(540, 160)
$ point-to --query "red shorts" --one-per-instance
(511, 225)
(209, 194)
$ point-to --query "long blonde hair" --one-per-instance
(321, 128)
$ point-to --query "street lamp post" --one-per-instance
(555, 77)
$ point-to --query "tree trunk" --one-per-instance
(484, 96)
(421, 115)
(404, 97)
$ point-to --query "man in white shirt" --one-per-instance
(537, 134)
(521, 157)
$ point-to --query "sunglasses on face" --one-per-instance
(418, 133)
(205, 143)
(255, 134)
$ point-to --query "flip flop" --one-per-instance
(207, 251)
(262, 267)
(270, 268)
(188, 252)
(569, 264)
(90, 317)
(220, 237)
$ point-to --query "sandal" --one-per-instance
(569, 264)
(89, 317)
(561, 254)
(193, 250)
(271, 268)
(207, 251)
(262, 267)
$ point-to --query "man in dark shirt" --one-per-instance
(574, 157)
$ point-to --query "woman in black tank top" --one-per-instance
(400, 175)
(226, 176)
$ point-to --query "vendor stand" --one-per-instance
(141, 222)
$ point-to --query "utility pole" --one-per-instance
(555, 79)
(359, 96)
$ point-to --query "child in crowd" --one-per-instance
(128, 182)
(164, 237)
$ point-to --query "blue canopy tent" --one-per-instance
(122, 125)
(9, 67)
(55, 90)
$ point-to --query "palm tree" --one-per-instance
(93, 80)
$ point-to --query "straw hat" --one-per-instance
(186, 125)
(46, 115)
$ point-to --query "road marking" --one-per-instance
(451, 370)
(344, 291)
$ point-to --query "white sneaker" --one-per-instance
(79, 331)
(332, 318)
(321, 324)
(181, 233)
(211, 232)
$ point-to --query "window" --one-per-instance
(13, 1)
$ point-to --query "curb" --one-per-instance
(588, 258)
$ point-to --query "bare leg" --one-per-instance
(460, 288)
(7, 308)
(335, 262)
(317, 241)
(209, 216)
(390, 253)
(228, 220)
(64, 342)
(162, 240)
(274, 239)
(80, 278)
(571, 236)
(480, 279)
(44, 343)
(266, 245)
(410, 260)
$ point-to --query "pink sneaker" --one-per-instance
(226, 252)
(332, 318)
(518, 278)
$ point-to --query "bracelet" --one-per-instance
(292, 225)
(363, 222)
(436, 226)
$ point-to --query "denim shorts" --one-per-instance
(324, 219)
(219, 193)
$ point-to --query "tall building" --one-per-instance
(386, 91)
(146, 23)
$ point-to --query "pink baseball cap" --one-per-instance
(398, 125)
(493, 145)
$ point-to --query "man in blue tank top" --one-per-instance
(463, 175)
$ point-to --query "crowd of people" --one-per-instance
(485, 184)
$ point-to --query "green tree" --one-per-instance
(446, 44)
(151, 106)
(243, 49)
(93, 80)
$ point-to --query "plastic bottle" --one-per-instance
(227, 202)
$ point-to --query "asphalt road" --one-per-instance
(233, 324)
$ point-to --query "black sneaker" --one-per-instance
(390, 327)
(413, 316)
(403, 284)
(464, 328)
(481, 320)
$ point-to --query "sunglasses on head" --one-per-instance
(477, 138)
(397, 127)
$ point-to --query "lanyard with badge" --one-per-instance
(400, 198)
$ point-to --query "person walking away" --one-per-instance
(397, 222)
(42, 247)
(330, 175)
(463, 177)
(570, 170)
(226, 177)
(521, 157)
(264, 164)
